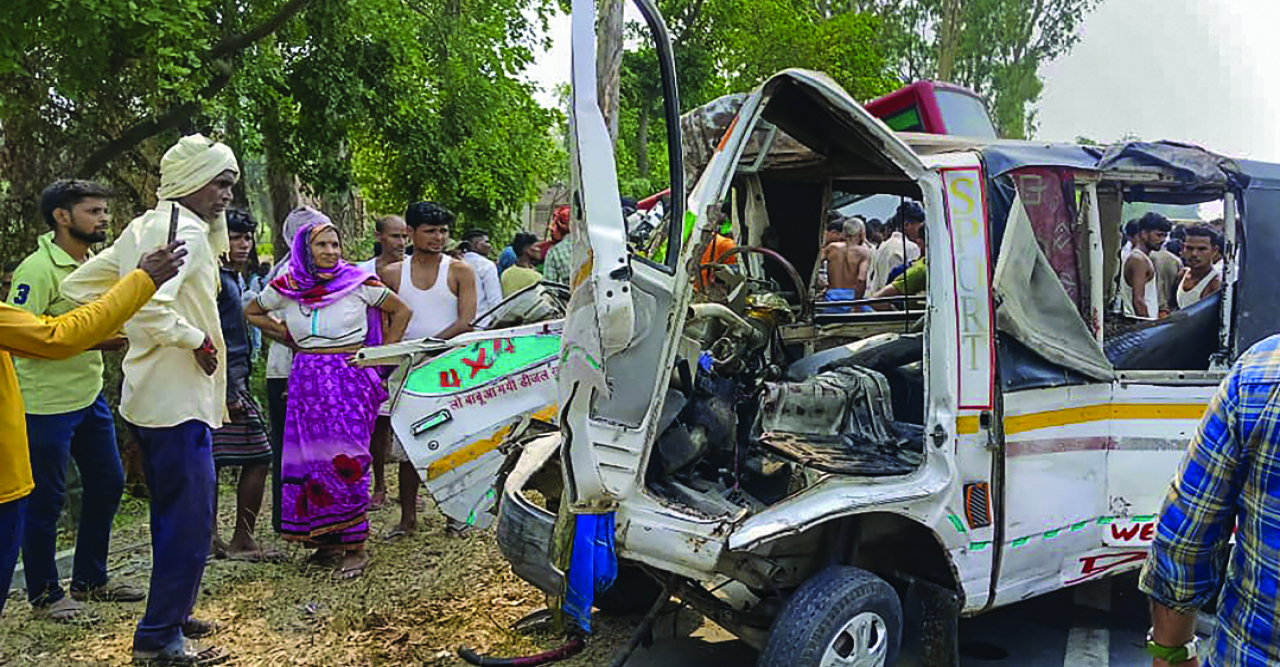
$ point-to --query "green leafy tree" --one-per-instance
(724, 46)
(995, 47)
(392, 99)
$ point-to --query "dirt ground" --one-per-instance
(421, 598)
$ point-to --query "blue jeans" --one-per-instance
(178, 463)
(88, 436)
(11, 514)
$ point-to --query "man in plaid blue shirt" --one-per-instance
(1229, 479)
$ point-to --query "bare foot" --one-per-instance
(378, 500)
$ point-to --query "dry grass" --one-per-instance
(420, 599)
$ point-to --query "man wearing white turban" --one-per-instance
(174, 388)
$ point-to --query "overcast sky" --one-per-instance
(1187, 70)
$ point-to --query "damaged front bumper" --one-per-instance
(525, 529)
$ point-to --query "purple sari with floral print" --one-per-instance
(325, 464)
(329, 415)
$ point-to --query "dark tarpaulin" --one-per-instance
(1007, 156)
(1199, 175)
(1257, 301)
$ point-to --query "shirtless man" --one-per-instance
(847, 264)
(1201, 278)
(1138, 290)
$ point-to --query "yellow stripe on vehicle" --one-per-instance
(1089, 413)
(479, 448)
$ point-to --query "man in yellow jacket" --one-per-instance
(27, 335)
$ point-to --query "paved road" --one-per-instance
(1099, 626)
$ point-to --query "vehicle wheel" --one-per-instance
(841, 617)
(632, 592)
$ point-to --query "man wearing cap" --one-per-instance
(174, 386)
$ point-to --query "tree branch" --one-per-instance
(150, 127)
(242, 41)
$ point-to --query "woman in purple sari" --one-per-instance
(330, 310)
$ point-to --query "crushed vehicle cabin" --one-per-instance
(827, 485)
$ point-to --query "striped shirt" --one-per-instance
(1229, 479)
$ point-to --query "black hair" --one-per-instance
(875, 224)
(427, 213)
(65, 194)
(1130, 228)
(1205, 231)
(521, 241)
(240, 221)
(1179, 232)
(910, 211)
(836, 225)
(1174, 246)
(472, 234)
(1153, 221)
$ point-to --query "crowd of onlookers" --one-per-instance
(1166, 268)
(872, 261)
(180, 289)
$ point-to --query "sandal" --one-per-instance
(351, 571)
(112, 591)
(259, 556)
(181, 654)
(396, 534)
(66, 610)
(324, 558)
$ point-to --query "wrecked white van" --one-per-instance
(836, 486)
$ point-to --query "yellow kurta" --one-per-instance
(27, 335)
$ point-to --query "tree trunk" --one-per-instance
(283, 189)
(948, 38)
(642, 142)
(235, 140)
(609, 62)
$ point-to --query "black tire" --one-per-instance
(816, 617)
(632, 592)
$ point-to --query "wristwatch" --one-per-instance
(1173, 655)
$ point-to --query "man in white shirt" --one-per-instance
(899, 249)
(174, 386)
(488, 286)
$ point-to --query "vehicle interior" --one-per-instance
(770, 395)
(1064, 338)
(1181, 339)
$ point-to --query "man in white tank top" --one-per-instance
(1138, 288)
(442, 293)
(1200, 278)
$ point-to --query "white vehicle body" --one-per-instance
(999, 487)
